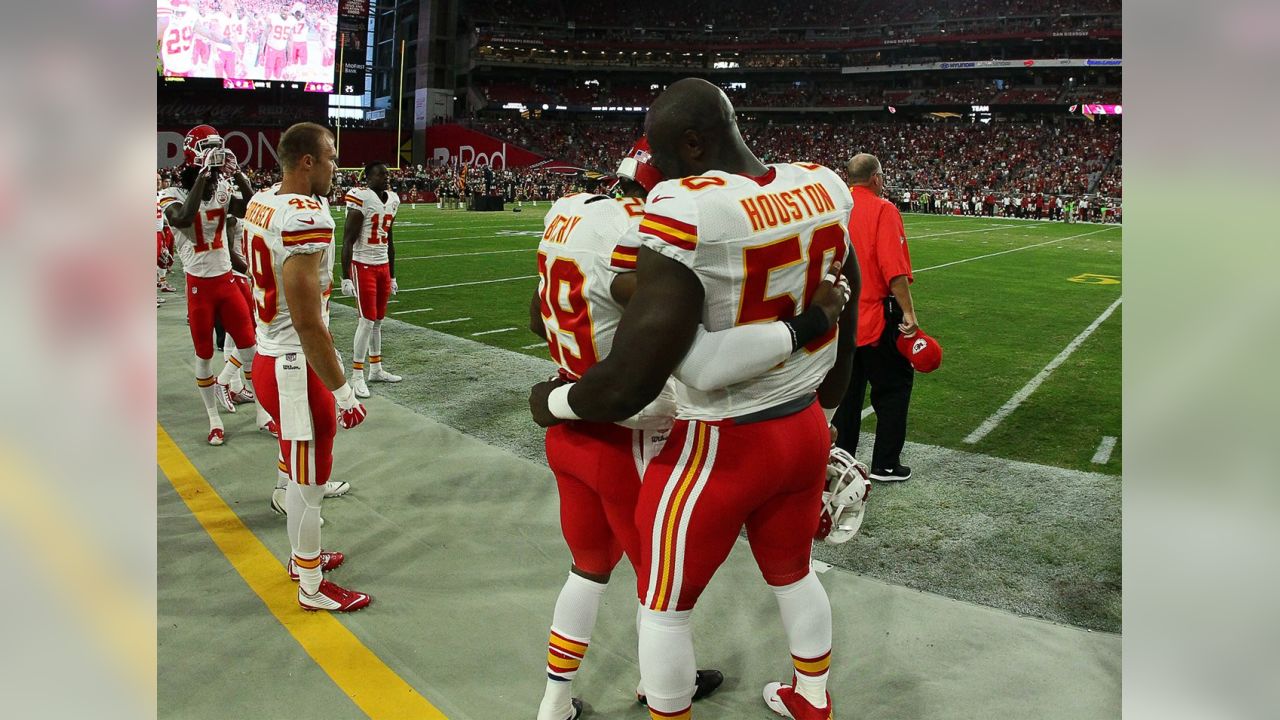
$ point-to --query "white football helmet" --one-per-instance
(844, 502)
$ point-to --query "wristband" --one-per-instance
(345, 396)
(558, 403)
(830, 413)
(806, 326)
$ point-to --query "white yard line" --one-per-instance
(447, 322)
(1017, 249)
(406, 312)
(964, 232)
(492, 332)
(1103, 455)
(453, 255)
(1012, 404)
(462, 284)
(535, 345)
(867, 412)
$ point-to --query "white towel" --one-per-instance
(295, 412)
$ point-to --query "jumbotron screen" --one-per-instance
(243, 40)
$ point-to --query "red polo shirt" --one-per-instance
(880, 240)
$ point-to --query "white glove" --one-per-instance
(348, 287)
(394, 287)
(351, 411)
(229, 164)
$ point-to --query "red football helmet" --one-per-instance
(637, 168)
(203, 147)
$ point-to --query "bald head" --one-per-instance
(862, 168)
(691, 129)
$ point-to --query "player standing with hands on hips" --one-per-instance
(299, 376)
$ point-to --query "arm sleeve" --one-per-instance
(720, 359)
(626, 252)
(352, 200)
(891, 242)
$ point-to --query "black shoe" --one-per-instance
(577, 709)
(895, 474)
(706, 683)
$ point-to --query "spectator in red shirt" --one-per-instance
(885, 309)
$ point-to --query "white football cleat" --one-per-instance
(243, 396)
(223, 394)
(217, 436)
(336, 489)
(358, 384)
(380, 375)
(271, 428)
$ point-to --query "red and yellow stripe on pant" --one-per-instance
(674, 511)
(301, 462)
(564, 656)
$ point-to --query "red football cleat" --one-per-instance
(272, 428)
(329, 560)
(217, 436)
(333, 598)
(785, 701)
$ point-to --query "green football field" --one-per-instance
(1032, 356)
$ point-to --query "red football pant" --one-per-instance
(373, 288)
(273, 61)
(307, 462)
(711, 479)
(217, 298)
(226, 65)
(595, 465)
(247, 292)
(298, 53)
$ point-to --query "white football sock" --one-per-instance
(667, 668)
(375, 347)
(806, 618)
(364, 328)
(571, 626)
(208, 393)
(302, 503)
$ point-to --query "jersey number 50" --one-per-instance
(570, 312)
(762, 260)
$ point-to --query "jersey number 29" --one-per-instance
(571, 313)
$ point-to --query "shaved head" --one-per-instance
(861, 168)
(692, 129)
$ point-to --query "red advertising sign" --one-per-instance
(256, 147)
(450, 144)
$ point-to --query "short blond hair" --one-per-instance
(306, 138)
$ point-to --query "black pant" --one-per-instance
(890, 376)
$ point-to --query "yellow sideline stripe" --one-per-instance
(356, 670)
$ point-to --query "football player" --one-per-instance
(731, 242)
(369, 270)
(299, 375)
(197, 210)
(298, 35)
(278, 31)
(585, 261)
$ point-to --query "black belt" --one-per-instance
(790, 407)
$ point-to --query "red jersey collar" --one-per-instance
(764, 179)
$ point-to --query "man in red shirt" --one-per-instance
(885, 309)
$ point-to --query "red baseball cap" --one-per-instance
(924, 353)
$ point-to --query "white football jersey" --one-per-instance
(176, 44)
(371, 248)
(279, 226)
(578, 259)
(300, 31)
(202, 245)
(760, 247)
(279, 30)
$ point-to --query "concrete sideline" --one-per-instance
(458, 542)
